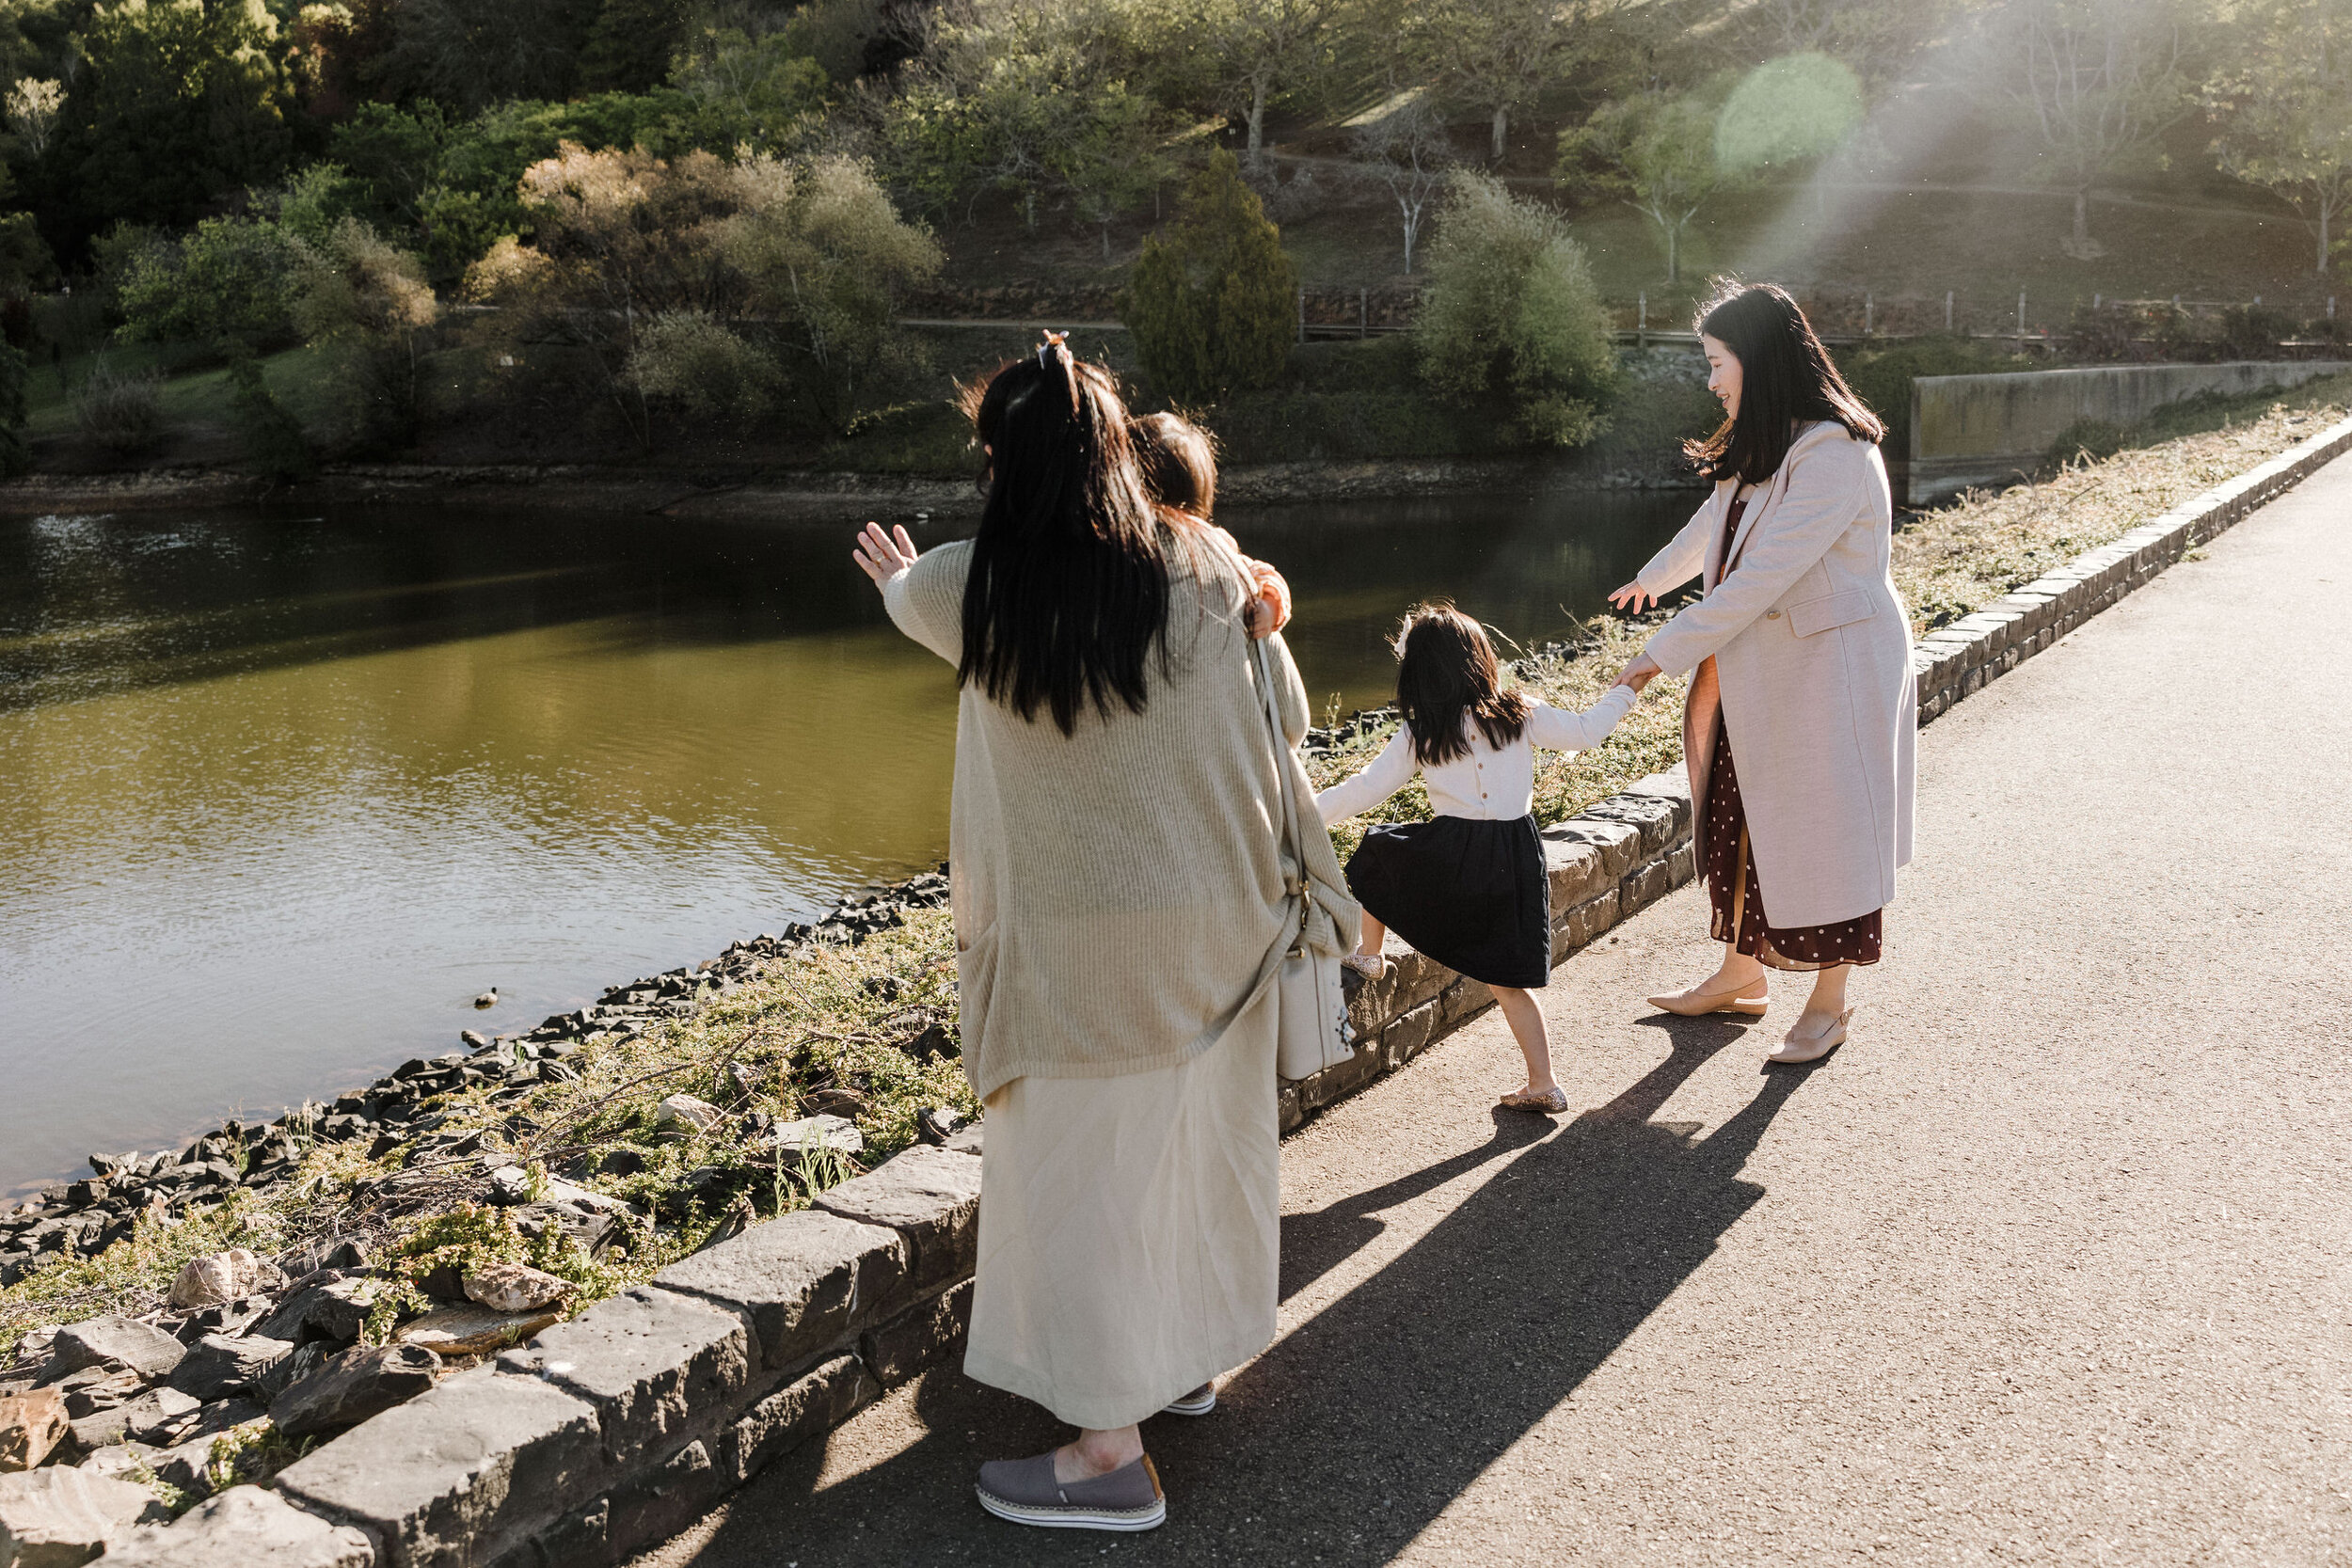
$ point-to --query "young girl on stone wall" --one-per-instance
(1466, 888)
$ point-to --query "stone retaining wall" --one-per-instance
(608, 1433)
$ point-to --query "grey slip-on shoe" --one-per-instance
(1199, 1403)
(1025, 1492)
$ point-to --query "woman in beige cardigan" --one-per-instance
(1801, 653)
(1121, 904)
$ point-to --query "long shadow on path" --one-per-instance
(1349, 1437)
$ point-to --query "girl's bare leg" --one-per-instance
(1375, 934)
(1526, 1016)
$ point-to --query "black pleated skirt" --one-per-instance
(1472, 894)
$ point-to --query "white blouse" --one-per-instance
(1491, 783)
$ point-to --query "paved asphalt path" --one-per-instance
(2052, 1263)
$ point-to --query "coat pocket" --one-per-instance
(1834, 610)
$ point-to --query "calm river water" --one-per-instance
(280, 792)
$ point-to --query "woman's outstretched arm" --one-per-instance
(889, 560)
(1684, 557)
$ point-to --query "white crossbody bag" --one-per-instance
(1313, 1032)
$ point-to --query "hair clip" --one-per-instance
(1053, 340)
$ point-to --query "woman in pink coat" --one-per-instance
(1800, 650)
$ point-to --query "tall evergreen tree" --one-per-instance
(629, 49)
(1211, 301)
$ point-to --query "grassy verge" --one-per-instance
(1956, 560)
(867, 1032)
(300, 378)
(864, 1032)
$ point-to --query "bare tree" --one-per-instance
(32, 106)
(1260, 49)
(1656, 150)
(2099, 81)
(1495, 56)
(1408, 152)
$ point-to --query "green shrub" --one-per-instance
(823, 253)
(2179, 336)
(691, 361)
(366, 302)
(114, 255)
(2106, 335)
(2254, 331)
(121, 412)
(1213, 303)
(1512, 312)
(228, 280)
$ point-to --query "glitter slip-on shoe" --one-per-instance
(1025, 1492)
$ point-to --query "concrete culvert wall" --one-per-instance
(1969, 430)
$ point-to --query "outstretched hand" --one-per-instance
(883, 556)
(1632, 598)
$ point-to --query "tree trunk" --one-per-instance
(1257, 122)
(2326, 211)
(1673, 253)
(1409, 249)
(1502, 126)
(2082, 215)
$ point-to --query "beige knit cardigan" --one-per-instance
(1117, 892)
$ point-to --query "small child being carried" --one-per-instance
(1466, 888)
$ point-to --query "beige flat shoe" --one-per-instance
(1553, 1101)
(1794, 1052)
(1369, 965)
(1694, 1003)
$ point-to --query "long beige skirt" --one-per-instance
(1129, 1229)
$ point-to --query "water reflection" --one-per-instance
(278, 794)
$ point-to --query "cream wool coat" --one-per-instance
(1120, 892)
(1812, 651)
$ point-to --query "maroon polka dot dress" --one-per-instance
(1741, 920)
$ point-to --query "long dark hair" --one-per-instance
(1069, 585)
(1786, 379)
(1445, 672)
(1177, 460)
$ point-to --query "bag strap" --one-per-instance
(1289, 792)
(1291, 942)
